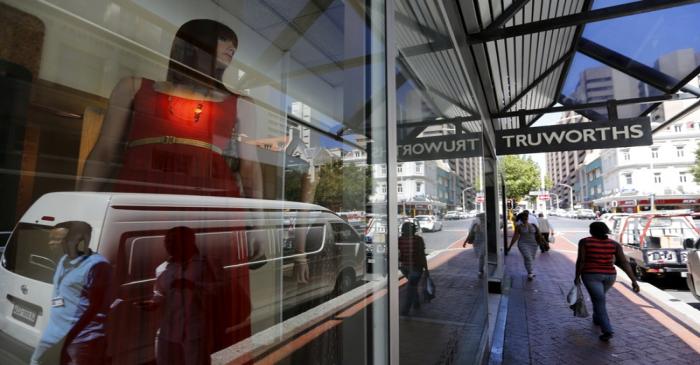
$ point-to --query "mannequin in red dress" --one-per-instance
(175, 137)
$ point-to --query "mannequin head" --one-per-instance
(69, 237)
(201, 52)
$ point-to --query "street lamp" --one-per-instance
(571, 196)
(558, 201)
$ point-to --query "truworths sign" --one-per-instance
(441, 147)
(562, 137)
(571, 137)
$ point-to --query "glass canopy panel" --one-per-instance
(667, 40)
(600, 4)
(590, 81)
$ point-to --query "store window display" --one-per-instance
(177, 136)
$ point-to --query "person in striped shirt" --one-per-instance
(595, 265)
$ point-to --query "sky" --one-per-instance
(547, 119)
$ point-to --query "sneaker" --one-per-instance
(606, 336)
(530, 277)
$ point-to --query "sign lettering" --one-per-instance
(440, 147)
(571, 137)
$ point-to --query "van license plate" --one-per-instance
(25, 315)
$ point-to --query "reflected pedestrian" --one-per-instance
(527, 236)
(75, 333)
(596, 266)
(476, 238)
(185, 287)
(412, 262)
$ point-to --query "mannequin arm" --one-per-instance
(101, 160)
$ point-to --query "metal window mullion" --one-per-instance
(392, 199)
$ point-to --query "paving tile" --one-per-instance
(555, 336)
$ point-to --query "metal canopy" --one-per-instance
(523, 51)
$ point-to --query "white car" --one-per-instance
(429, 223)
(694, 270)
(452, 215)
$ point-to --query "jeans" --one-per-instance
(413, 276)
(597, 286)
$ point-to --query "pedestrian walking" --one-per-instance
(595, 266)
(75, 333)
(412, 262)
(546, 230)
(528, 238)
(476, 238)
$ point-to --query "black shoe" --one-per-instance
(606, 336)
(596, 323)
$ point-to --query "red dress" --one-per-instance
(175, 145)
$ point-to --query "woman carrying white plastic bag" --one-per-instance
(595, 266)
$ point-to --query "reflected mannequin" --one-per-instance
(75, 333)
(179, 136)
(527, 236)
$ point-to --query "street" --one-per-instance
(572, 230)
(451, 231)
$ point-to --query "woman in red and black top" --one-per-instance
(596, 266)
(412, 262)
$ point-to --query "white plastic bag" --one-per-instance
(572, 296)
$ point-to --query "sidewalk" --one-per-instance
(541, 329)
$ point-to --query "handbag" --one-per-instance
(430, 289)
(579, 307)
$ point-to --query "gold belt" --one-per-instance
(175, 140)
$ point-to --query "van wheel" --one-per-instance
(345, 281)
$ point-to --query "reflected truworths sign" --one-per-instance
(571, 137)
(440, 147)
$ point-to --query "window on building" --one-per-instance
(627, 177)
(680, 151)
(655, 152)
(657, 177)
(683, 176)
(383, 169)
(399, 187)
(677, 128)
(419, 187)
(383, 189)
(358, 153)
(399, 168)
(626, 154)
(419, 167)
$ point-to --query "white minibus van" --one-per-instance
(258, 246)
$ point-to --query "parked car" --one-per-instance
(694, 270)
(452, 215)
(658, 243)
(252, 245)
(585, 214)
(429, 223)
(613, 221)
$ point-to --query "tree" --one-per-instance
(521, 175)
(696, 168)
(343, 187)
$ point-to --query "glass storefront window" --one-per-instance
(199, 175)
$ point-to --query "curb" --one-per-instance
(684, 313)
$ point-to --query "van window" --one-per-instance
(344, 233)
(222, 247)
(28, 253)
